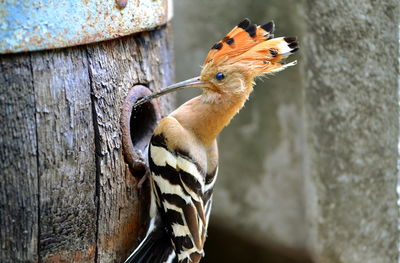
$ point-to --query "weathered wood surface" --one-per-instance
(111, 78)
(18, 162)
(66, 193)
(67, 176)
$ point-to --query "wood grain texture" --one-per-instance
(18, 162)
(66, 155)
(114, 70)
(67, 194)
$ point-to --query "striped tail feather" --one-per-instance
(155, 248)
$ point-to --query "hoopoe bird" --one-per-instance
(183, 153)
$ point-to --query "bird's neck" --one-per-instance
(206, 118)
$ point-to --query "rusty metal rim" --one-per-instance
(135, 161)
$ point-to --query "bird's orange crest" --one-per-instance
(254, 47)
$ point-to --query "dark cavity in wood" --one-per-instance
(137, 126)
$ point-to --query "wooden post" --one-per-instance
(67, 193)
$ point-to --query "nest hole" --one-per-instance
(142, 122)
(137, 126)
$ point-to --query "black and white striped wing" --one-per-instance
(208, 193)
(179, 186)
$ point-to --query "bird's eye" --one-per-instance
(220, 76)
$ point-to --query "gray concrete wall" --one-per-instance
(351, 71)
(310, 162)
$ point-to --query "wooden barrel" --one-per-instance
(68, 186)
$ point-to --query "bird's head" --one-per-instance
(246, 52)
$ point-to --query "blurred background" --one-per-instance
(308, 167)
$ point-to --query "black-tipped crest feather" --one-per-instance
(244, 23)
(252, 29)
(290, 39)
(269, 27)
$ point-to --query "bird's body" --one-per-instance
(183, 153)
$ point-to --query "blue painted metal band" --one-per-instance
(45, 24)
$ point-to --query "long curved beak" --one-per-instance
(190, 83)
